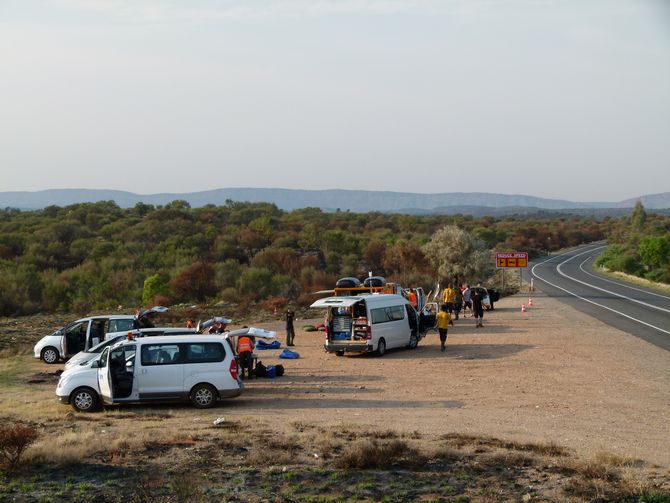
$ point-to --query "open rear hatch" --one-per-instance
(347, 319)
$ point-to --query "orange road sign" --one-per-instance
(511, 259)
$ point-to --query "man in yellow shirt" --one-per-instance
(450, 298)
(443, 320)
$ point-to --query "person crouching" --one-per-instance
(245, 348)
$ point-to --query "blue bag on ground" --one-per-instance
(289, 355)
(271, 371)
(260, 344)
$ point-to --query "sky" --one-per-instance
(565, 99)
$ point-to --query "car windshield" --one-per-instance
(99, 347)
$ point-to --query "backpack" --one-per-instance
(279, 370)
(261, 370)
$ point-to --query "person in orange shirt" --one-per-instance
(411, 296)
(245, 348)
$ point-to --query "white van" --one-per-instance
(83, 334)
(365, 323)
(199, 368)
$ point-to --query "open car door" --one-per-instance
(105, 377)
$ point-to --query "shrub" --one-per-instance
(367, 454)
(14, 440)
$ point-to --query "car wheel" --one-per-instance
(84, 400)
(340, 353)
(50, 355)
(413, 342)
(203, 396)
(381, 347)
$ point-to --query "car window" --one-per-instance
(122, 358)
(120, 325)
(160, 354)
(103, 358)
(77, 328)
(202, 352)
(386, 314)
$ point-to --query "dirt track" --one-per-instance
(550, 374)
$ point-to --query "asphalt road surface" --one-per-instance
(570, 277)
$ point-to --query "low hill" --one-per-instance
(476, 203)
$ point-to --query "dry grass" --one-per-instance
(66, 448)
(461, 440)
(614, 460)
(365, 454)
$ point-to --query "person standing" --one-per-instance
(477, 308)
(450, 297)
(290, 331)
(458, 300)
(467, 299)
(443, 319)
(245, 349)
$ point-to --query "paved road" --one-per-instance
(633, 309)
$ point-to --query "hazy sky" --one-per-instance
(563, 99)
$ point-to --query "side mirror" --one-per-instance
(95, 364)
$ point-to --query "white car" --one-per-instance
(83, 334)
(199, 368)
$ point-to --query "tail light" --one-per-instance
(368, 333)
(233, 368)
(326, 332)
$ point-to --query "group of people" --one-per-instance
(455, 300)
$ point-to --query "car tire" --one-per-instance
(340, 353)
(84, 400)
(381, 347)
(413, 342)
(203, 396)
(50, 355)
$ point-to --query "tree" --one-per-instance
(456, 254)
(654, 251)
(638, 217)
(153, 285)
(196, 282)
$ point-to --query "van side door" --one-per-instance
(161, 371)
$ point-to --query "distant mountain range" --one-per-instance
(472, 203)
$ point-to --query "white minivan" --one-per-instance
(196, 367)
(83, 334)
(374, 322)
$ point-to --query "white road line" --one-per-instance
(590, 301)
(560, 271)
(616, 282)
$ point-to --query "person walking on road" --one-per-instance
(478, 308)
(290, 331)
(443, 320)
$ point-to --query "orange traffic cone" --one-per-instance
(530, 302)
(523, 308)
